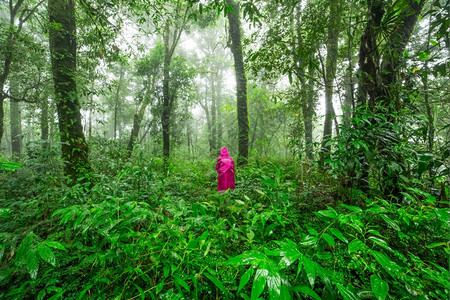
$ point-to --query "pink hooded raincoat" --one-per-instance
(225, 170)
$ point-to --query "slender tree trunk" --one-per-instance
(213, 116)
(241, 81)
(331, 61)
(138, 117)
(165, 115)
(308, 105)
(63, 50)
(44, 122)
(219, 113)
(91, 104)
(16, 128)
(116, 103)
(252, 141)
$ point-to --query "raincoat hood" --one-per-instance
(224, 152)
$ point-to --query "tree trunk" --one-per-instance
(16, 128)
(213, 116)
(116, 104)
(255, 126)
(165, 115)
(369, 56)
(219, 113)
(44, 122)
(331, 61)
(308, 105)
(393, 52)
(63, 50)
(241, 81)
(138, 117)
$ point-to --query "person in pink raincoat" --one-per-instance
(225, 170)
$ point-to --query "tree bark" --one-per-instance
(138, 117)
(369, 56)
(63, 50)
(213, 116)
(330, 74)
(241, 81)
(44, 122)
(16, 128)
(117, 103)
(393, 52)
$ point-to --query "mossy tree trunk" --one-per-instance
(241, 81)
(63, 50)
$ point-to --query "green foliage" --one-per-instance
(7, 165)
(145, 234)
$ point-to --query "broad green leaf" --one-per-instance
(380, 242)
(433, 245)
(324, 254)
(159, 287)
(329, 239)
(339, 235)
(47, 254)
(306, 290)
(310, 270)
(352, 208)
(140, 290)
(248, 257)
(309, 240)
(299, 267)
(216, 282)
(326, 213)
(260, 280)
(245, 278)
(55, 297)
(32, 264)
(376, 232)
(55, 245)
(391, 222)
(81, 295)
(288, 252)
(4, 212)
(355, 245)
(24, 248)
(285, 293)
(7, 165)
(41, 294)
(386, 263)
(379, 287)
(274, 285)
(346, 293)
(181, 282)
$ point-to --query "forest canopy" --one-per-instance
(113, 114)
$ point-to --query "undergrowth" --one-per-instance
(141, 233)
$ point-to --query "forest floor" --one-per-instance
(141, 233)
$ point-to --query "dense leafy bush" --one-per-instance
(147, 234)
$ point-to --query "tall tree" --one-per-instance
(19, 13)
(379, 65)
(241, 80)
(379, 68)
(63, 50)
(150, 70)
(171, 33)
(330, 72)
